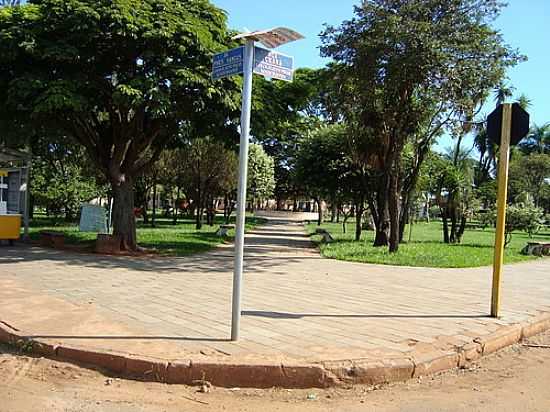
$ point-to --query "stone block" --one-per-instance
(110, 362)
(503, 337)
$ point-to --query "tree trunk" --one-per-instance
(404, 219)
(359, 208)
(333, 209)
(461, 229)
(380, 212)
(452, 235)
(381, 222)
(445, 225)
(427, 206)
(320, 212)
(124, 222)
(154, 217)
(176, 207)
(144, 210)
(211, 212)
(198, 217)
(411, 221)
(225, 206)
(393, 206)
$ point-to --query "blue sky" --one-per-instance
(525, 24)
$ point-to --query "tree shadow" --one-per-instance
(436, 242)
(263, 252)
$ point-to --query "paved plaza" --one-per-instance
(296, 305)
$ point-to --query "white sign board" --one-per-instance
(93, 219)
(272, 64)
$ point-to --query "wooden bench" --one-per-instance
(223, 229)
(52, 239)
(327, 237)
(537, 249)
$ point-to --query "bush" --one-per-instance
(519, 217)
(486, 218)
(524, 217)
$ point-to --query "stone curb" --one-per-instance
(421, 361)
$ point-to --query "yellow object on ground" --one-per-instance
(10, 227)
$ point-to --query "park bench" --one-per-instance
(223, 229)
(326, 236)
(537, 249)
(50, 238)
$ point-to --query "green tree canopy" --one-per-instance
(261, 174)
(408, 65)
(120, 77)
(322, 165)
(530, 175)
(205, 170)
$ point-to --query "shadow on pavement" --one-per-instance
(265, 247)
(108, 337)
(284, 315)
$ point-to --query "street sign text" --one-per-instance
(228, 63)
(272, 64)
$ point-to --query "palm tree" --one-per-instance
(538, 140)
(524, 101)
(502, 92)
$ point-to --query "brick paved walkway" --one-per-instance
(296, 304)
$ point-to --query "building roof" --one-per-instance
(11, 155)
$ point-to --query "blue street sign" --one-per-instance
(228, 63)
(272, 64)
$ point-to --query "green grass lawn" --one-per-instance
(426, 248)
(168, 239)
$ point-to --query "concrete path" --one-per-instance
(297, 306)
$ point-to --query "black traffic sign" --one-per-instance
(520, 124)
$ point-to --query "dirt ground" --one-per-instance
(515, 379)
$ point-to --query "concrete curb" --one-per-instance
(425, 359)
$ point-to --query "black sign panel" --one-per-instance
(520, 124)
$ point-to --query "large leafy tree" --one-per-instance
(261, 174)
(407, 66)
(120, 77)
(322, 165)
(283, 114)
(205, 170)
(62, 177)
(530, 175)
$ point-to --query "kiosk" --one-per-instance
(14, 198)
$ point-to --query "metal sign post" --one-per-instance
(506, 126)
(241, 194)
(248, 60)
(503, 159)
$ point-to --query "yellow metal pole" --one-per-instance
(503, 158)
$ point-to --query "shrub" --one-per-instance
(519, 217)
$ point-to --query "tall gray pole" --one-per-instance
(241, 196)
(26, 216)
